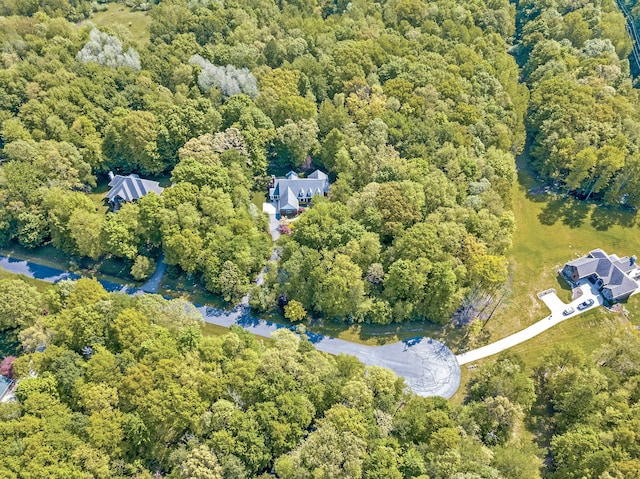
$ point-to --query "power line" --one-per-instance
(633, 33)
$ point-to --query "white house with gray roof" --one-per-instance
(125, 189)
(615, 277)
(292, 192)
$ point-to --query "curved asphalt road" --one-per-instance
(428, 366)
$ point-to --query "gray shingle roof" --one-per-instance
(318, 175)
(289, 201)
(625, 264)
(584, 265)
(611, 270)
(130, 188)
(620, 284)
(604, 269)
(294, 188)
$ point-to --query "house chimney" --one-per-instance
(632, 260)
(111, 176)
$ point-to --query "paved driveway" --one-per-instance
(153, 283)
(555, 305)
(428, 366)
(274, 224)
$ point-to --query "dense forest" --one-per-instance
(129, 387)
(414, 109)
(117, 386)
(583, 115)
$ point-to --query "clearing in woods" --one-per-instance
(122, 19)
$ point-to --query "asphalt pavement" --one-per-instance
(428, 366)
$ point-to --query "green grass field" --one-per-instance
(209, 329)
(97, 196)
(372, 334)
(551, 231)
(121, 19)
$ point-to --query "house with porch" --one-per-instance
(125, 189)
(291, 193)
(615, 278)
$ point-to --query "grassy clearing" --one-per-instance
(551, 231)
(185, 287)
(135, 25)
(587, 331)
(214, 330)
(97, 196)
(373, 335)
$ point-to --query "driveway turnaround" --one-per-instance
(557, 307)
(428, 366)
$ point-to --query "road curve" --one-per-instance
(428, 366)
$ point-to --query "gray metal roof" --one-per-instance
(130, 188)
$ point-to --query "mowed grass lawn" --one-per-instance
(552, 230)
(121, 18)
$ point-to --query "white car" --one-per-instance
(568, 311)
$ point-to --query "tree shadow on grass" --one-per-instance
(604, 218)
(562, 283)
(571, 212)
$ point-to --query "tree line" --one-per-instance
(415, 110)
(113, 386)
(582, 117)
(118, 386)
